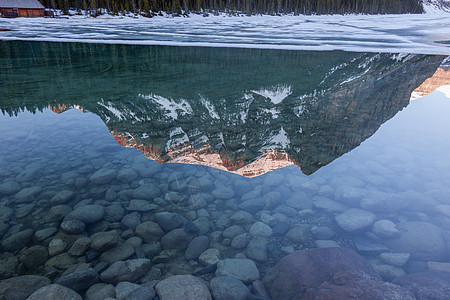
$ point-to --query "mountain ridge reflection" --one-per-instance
(247, 111)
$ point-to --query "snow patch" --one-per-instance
(173, 108)
(113, 110)
(276, 94)
(280, 139)
(177, 137)
(210, 107)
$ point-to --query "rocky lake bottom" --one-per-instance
(82, 217)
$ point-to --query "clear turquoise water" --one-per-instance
(351, 135)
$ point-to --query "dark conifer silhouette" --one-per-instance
(151, 8)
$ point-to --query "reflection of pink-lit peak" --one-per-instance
(440, 78)
(186, 154)
(60, 108)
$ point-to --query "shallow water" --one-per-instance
(315, 148)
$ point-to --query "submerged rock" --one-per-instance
(182, 287)
(241, 268)
(80, 280)
(424, 241)
(17, 241)
(355, 219)
(196, 247)
(426, 285)
(130, 270)
(88, 214)
(19, 288)
(9, 188)
(103, 176)
(228, 287)
(329, 273)
(54, 292)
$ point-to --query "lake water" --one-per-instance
(185, 157)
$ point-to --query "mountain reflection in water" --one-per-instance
(247, 111)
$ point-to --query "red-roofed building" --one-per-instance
(21, 8)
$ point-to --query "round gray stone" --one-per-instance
(54, 292)
(228, 287)
(355, 219)
(196, 247)
(183, 287)
(241, 268)
(88, 214)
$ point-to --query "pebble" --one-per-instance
(9, 188)
(17, 241)
(73, 226)
(57, 213)
(149, 231)
(80, 280)
(103, 176)
(326, 243)
(182, 287)
(8, 267)
(241, 217)
(241, 241)
(100, 291)
(260, 229)
(176, 239)
(233, 231)
(241, 268)
(102, 241)
(87, 214)
(54, 292)
(34, 257)
(355, 219)
(257, 249)
(129, 270)
(168, 221)
(395, 259)
(127, 175)
(43, 234)
(131, 220)
(56, 247)
(80, 246)
(196, 247)
(114, 213)
(228, 287)
(299, 233)
(252, 205)
(146, 191)
(123, 289)
(209, 257)
(121, 252)
(223, 193)
(141, 206)
(62, 197)
(21, 287)
(27, 194)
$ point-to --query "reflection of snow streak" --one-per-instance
(276, 94)
(170, 105)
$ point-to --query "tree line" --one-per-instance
(150, 8)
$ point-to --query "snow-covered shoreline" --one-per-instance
(363, 33)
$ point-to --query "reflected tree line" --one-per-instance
(150, 8)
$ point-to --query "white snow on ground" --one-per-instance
(411, 33)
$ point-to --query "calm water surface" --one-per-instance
(261, 153)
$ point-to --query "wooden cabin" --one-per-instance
(21, 8)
